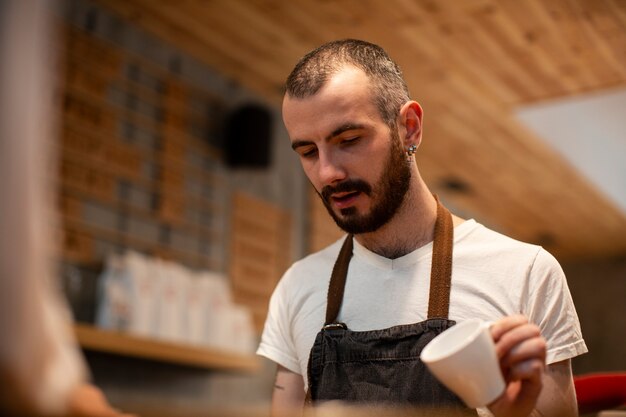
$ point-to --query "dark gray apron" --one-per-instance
(383, 367)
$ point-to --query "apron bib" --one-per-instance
(383, 367)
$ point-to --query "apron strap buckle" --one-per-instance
(332, 326)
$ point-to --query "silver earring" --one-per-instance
(410, 152)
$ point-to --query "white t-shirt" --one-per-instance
(492, 276)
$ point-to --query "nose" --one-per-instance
(330, 169)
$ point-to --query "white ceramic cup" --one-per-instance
(464, 359)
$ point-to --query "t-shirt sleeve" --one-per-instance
(276, 341)
(551, 307)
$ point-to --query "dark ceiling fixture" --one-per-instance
(455, 185)
(545, 239)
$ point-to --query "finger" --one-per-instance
(505, 324)
(531, 369)
(532, 348)
(514, 337)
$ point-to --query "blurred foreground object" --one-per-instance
(40, 365)
(600, 391)
(340, 409)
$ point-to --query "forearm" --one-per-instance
(558, 395)
(288, 394)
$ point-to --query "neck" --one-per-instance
(411, 228)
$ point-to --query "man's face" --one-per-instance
(348, 153)
(387, 194)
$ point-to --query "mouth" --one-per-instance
(343, 200)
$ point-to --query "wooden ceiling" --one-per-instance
(470, 63)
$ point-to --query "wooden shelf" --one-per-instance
(92, 338)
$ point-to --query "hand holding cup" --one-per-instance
(497, 364)
(464, 359)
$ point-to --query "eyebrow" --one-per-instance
(338, 131)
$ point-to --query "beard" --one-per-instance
(387, 194)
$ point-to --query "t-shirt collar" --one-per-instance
(411, 258)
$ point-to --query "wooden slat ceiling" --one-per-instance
(470, 63)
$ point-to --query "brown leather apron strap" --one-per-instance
(440, 274)
(338, 281)
(441, 268)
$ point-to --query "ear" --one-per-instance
(411, 122)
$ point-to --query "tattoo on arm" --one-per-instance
(561, 369)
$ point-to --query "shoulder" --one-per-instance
(479, 248)
(324, 258)
(481, 237)
(482, 242)
(311, 271)
(300, 296)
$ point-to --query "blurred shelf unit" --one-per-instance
(140, 158)
(142, 167)
(123, 344)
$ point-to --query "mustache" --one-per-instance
(344, 187)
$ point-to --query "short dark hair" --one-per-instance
(310, 74)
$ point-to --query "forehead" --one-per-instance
(346, 97)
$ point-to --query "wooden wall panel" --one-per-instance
(322, 230)
(260, 252)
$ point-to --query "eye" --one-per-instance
(350, 140)
(308, 152)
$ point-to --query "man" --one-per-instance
(350, 119)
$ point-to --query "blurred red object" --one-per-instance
(600, 391)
